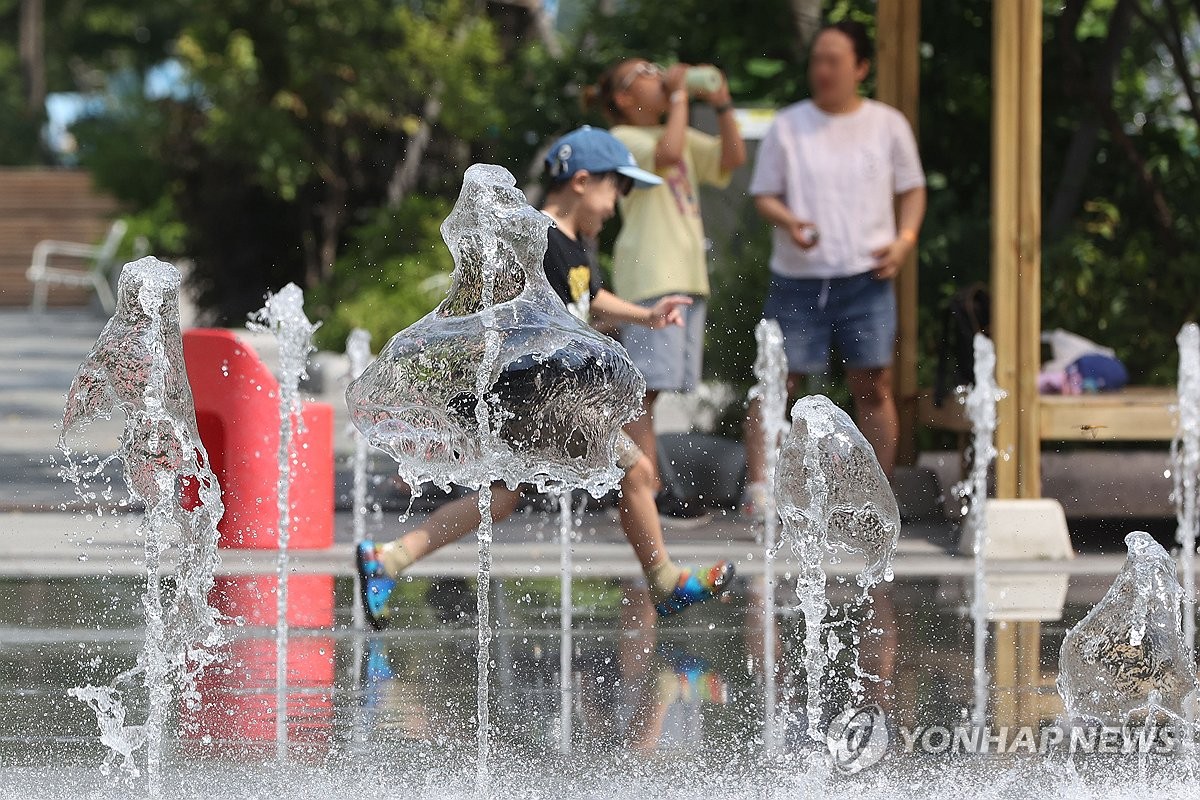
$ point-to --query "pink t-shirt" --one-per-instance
(841, 172)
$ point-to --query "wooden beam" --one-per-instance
(1029, 671)
(1004, 673)
(898, 83)
(1006, 53)
(1029, 241)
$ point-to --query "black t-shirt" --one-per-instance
(572, 271)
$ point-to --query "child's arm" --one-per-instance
(607, 307)
(733, 148)
(669, 150)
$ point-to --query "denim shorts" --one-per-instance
(855, 315)
(669, 358)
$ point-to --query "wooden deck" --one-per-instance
(1133, 414)
(38, 204)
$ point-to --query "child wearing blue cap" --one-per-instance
(589, 170)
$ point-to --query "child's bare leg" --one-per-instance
(640, 522)
(635, 659)
(641, 430)
(448, 524)
(643, 530)
(639, 516)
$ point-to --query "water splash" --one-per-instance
(1185, 458)
(980, 402)
(499, 382)
(1127, 656)
(833, 497)
(555, 392)
(566, 618)
(137, 367)
(283, 316)
(358, 351)
(771, 370)
(489, 269)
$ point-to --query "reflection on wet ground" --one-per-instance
(640, 694)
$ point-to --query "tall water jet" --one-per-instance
(1185, 457)
(499, 382)
(980, 403)
(358, 352)
(137, 367)
(771, 370)
(283, 316)
(1127, 657)
(566, 614)
(833, 497)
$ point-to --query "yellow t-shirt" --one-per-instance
(660, 249)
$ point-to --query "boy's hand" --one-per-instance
(666, 311)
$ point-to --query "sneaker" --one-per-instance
(374, 586)
(697, 587)
(676, 513)
(754, 501)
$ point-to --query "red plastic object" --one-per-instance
(237, 412)
(237, 708)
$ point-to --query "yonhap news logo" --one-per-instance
(1104, 740)
(859, 738)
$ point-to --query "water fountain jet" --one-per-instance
(136, 367)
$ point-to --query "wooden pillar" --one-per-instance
(1029, 671)
(898, 83)
(1004, 673)
(1016, 240)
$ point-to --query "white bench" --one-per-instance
(97, 261)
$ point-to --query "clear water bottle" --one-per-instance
(702, 79)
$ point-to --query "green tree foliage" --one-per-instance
(317, 99)
(394, 271)
(296, 119)
(19, 143)
(281, 164)
(86, 46)
(1119, 262)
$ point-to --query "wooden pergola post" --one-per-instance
(898, 83)
(1016, 240)
(1016, 226)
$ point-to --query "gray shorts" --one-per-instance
(670, 358)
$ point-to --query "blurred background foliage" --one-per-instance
(322, 142)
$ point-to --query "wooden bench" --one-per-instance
(76, 264)
(37, 204)
(1133, 414)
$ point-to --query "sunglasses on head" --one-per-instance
(644, 68)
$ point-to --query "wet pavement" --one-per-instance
(677, 705)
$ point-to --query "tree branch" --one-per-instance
(1099, 94)
(404, 178)
(1082, 149)
(32, 48)
(1180, 59)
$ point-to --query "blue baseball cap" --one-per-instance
(596, 151)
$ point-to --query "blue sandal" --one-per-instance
(374, 586)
